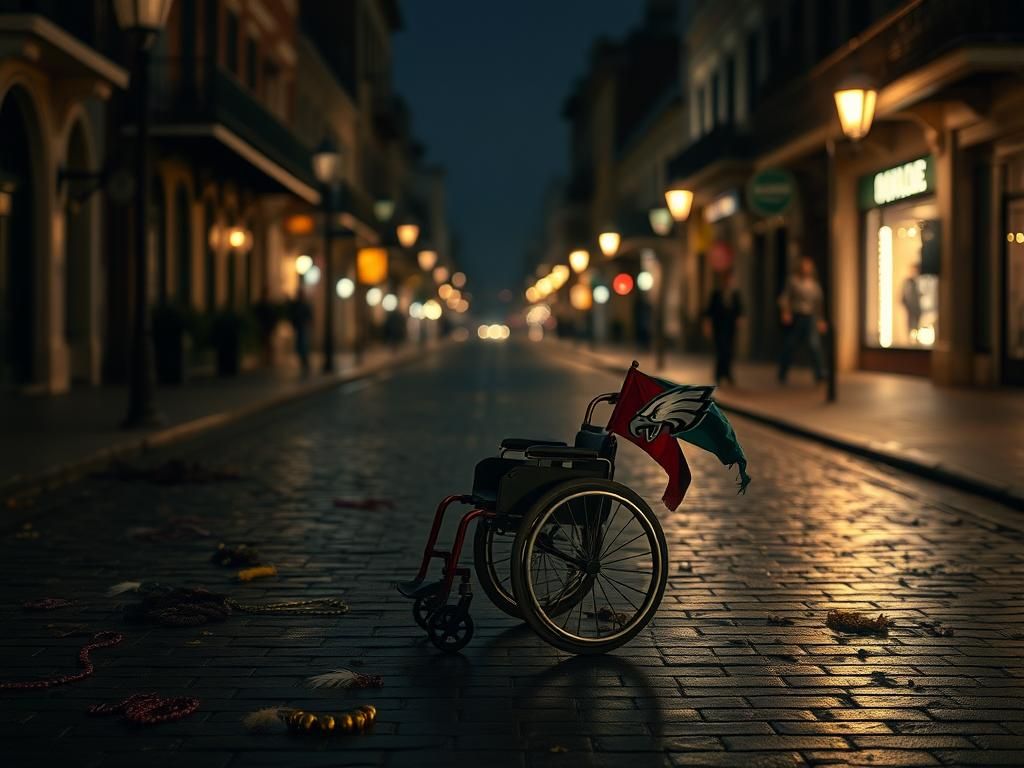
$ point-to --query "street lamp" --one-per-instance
(426, 259)
(855, 102)
(408, 233)
(679, 202)
(661, 221)
(579, 260)
(609, 241)
(326, 160)
(144, 19)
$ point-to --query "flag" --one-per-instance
(653, 413)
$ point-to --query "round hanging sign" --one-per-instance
(770, 192)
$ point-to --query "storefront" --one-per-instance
(1013, 274)
(901, 267)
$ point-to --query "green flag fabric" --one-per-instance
(715, 434)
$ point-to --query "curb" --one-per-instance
(925, 467)
(63, 474)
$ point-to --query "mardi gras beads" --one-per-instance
(356, 721)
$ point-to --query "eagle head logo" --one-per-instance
(678, 409)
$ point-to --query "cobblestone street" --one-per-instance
(738, 667)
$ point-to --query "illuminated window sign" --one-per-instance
(898, 183)
(722, 207)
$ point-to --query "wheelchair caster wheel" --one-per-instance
(450, 629)
(422, 609)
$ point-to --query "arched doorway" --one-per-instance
(17, 250)
(183, 225)
(78, 283)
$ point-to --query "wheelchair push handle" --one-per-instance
(608, 397)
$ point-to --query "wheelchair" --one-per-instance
(559, 544)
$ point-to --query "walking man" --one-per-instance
(802, 308)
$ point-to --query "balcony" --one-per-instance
(903, 43)
(722, 146)
(197, 103)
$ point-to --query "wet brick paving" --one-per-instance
(737, 668)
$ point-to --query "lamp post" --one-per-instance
(326, 160)
(679, 202)
(855, 99)
(144, 19)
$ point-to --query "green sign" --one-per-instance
(891, 185)
(770, 192)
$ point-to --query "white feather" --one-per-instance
(339, 678)
(124, 586)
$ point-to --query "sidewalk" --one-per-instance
(970, 438)
(50, 439)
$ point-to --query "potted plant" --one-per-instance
(170, 322)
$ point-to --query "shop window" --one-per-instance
(901, 279)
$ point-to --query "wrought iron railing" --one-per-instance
(198, 90)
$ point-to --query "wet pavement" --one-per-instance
(737, 668)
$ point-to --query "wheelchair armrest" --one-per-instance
(522, 443)
(564, 452)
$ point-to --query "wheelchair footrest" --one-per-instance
(418, 588)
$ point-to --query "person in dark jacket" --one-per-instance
(721, 319)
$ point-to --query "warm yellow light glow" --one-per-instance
(444, 291)
(459, 280)
(661, 221)
(579, 260)
(532, 294)
(580, 297)
(299, 224)
(1009, 237)
(560, 274)
(926, 336)
(545, 285)
(538, 315)
(645, 281)
(609, 241)
(427, 259)
(432, 310)
(408, 234)
(462, 306)
(372, 265)
(483, 331)
(1020, 237)
(236, 237)
(303, 263)
(885, 287)
(679, 202)
(440, 274)
(855, 103)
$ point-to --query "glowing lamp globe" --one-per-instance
(408, 234)
(661, 221)
(601, 294)
(579, 260)
(440, 274)
(609, 241)
(371, 265)
(345, 288)
(426, 259)
(303, 263)
(855, 103)
(580, 297)
(679, 202)
(644, 281)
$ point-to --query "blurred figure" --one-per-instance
(912, 300)
(301, 314)
(723, 314)
(802, 308)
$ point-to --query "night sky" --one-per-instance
(486, 82)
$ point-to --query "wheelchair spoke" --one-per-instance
(627, 586)
(635, 609)
(621, 559)
(624, 527)
(642, 533)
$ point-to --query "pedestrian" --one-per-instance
(721, 318)
(802, 309)
(301, 314)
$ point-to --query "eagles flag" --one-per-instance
(653, 413)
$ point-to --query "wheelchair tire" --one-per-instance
(493, 568)
(579, 533)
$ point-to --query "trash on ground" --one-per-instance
(149, 708)
(345, 678)
(780, 621)
(857, 623)
(234, 555)
(259, 572)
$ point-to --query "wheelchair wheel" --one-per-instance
(492, 555)
(590, 564)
